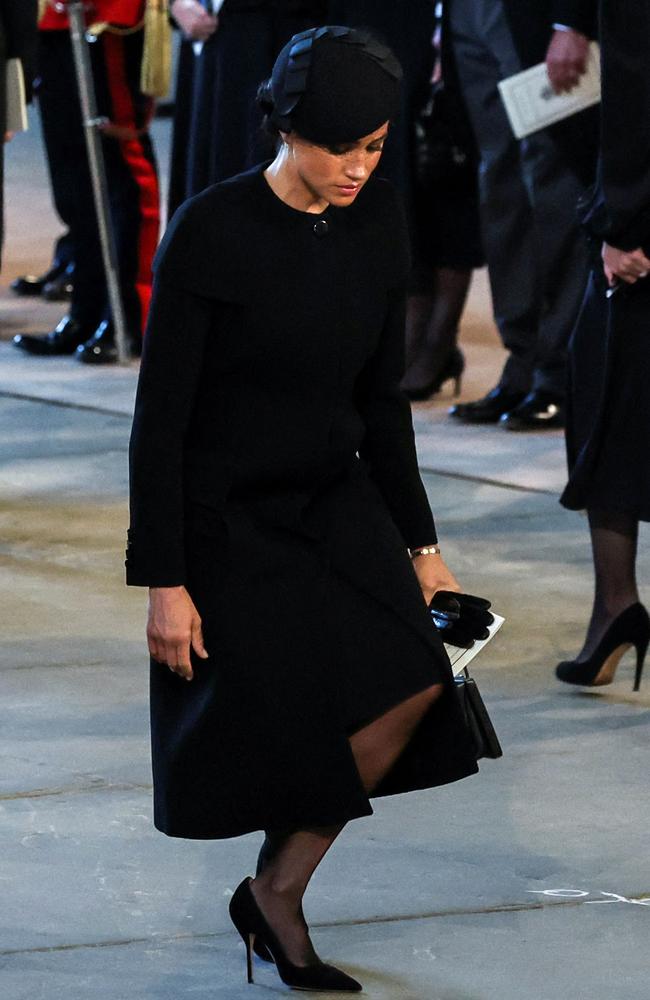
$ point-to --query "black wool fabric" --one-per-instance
(608, 417)
(274, 474)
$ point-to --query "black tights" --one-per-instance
(290, 858)
(432, 322)
(614, 545)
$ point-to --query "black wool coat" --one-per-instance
(608, 423)
(273, 473)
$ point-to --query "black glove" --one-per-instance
(460, 618)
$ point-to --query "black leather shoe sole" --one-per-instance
(485, 411)
(58, 291)
(32, 284)
(103, 354)
(29, 285)
(533, 422)
(63, 341)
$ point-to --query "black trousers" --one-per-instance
(536, 255)
(130, 170)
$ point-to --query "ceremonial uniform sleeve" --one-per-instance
(172, 359)
(388, 448)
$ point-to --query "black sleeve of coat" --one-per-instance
(578, 14)
(169, 374)
(619, 212)
(388, 448)
(19, 22)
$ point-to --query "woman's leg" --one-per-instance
(290, 859)
(432, 327)
(614, 546)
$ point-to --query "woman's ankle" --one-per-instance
(273, 885)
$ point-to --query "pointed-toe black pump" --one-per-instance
(451, 369)
(252, 924)
(631, 628)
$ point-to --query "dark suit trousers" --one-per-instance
(130, 171)
(536, 255)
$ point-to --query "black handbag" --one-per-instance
(461, 619)
(477, 719)
(445, 150)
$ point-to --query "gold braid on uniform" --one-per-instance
(155, 77)
(156, 70)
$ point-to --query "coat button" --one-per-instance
(321, 228)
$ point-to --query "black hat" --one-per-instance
(334, 85)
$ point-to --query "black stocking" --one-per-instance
(614, 546)
(288, 860)
(432, 326)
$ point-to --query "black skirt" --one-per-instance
(608, 424)
(301, 656)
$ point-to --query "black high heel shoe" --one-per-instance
(631, 628)
(263, 859)
(453, 368)
(251, 923)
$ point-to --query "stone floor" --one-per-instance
(484, 890)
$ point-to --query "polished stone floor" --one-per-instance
(530, 880)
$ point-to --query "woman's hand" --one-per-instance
(624, 265)
(434, 575)
(193, 20)
(173, 627)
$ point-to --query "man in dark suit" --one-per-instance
(529, 190)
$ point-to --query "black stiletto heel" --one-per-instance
(252, 924)
(452, 369)
(249, 941)
(631, 628)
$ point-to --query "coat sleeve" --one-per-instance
(577, 14)
(620, 209)
(388, 448)
(172, 359)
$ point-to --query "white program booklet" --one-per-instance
(16, 104)
(532, 104)
(460, 658)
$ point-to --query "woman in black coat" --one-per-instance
(609, 410)
(276, 495)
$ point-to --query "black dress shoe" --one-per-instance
(61, 287)
(489, 409)
(32, 284)
(452, 367)
(100, 349)
(65, 339)
(539, 411)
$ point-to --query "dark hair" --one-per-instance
(266, 104)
